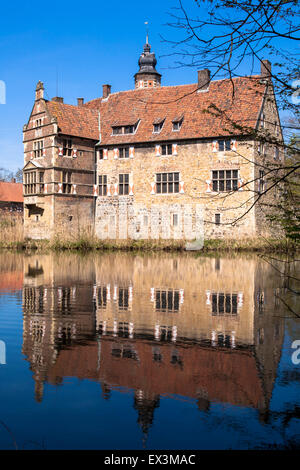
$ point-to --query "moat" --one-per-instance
(153, 351)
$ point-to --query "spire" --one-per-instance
(147, 76)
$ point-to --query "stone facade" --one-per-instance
(78, 153)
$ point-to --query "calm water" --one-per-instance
(120, 351)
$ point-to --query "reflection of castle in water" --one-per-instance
(189, 328)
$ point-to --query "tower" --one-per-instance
(147, 76)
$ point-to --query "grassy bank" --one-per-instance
(11, 237)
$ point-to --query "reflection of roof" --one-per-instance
(240, 103)
(11, 281)
(221, 375)
(11, 192)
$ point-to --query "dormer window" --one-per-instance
(125, 129)
(177, 123)
(158, 125)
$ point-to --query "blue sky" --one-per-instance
(85, 45)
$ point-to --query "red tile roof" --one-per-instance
(240, 100)
(74, 120)
(11, 192)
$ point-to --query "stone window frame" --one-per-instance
(38, 147)
(165, 149)
(67, 147)
(33, 182)
(123, 184)
(217, 220)
(220, 181)
(167, 182)
(224, 145)
(102, 185)
(66, 180)
(261, 182)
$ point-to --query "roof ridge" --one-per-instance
(167, 86)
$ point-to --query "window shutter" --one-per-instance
(105, 154)
(208, 297)
(153, 187)
(233, 145)
(60, 151)
(115, 189)
(74, 153)
(240, 299)
(157, 150)
(215, 146)
(131, 190)
(116, 153)
(95, 190)
(131, 152)
(60, 187)
(74, 189)
(45, 188)
(44, 152)
(181, 187)
(240, 184)
(108, 190)
(174, 149)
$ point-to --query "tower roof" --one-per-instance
(147, 62)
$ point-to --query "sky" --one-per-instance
(74, 48)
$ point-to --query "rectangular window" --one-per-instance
(66, 180)
(167, 300)
(177, 126)
(100, 154)
(261, 181)
(175, 220)
(33, 182)
(167, 183)
(217, 219)
(225, 180)
(67, 147)
(102, 185)
(158, 125)
(124, 184)
(276, 153)
(124, 152)
(224, 145)
(127, 129)
(224, 303)
(167, 149)
(38, 123)
(38, 148)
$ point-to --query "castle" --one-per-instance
(155, 162)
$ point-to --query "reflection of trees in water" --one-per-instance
(289, 292)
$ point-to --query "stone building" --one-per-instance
(171, 162)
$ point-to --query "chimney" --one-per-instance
(106, 91)
(80, 101)
(203, 79)
(265, 69)
(58, 99)
(13, 180)
(39, 91)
